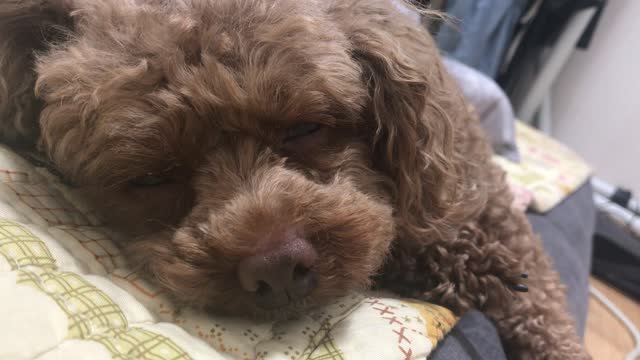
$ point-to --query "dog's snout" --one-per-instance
(281, 274)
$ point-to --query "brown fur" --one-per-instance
(397, 186)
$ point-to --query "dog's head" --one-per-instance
(263, 154)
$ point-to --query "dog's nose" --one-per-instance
(280, 275)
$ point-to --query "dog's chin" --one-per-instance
(248, 309)
(252, 312)
(289, 312)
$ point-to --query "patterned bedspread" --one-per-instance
(548, 171)
(66, 293)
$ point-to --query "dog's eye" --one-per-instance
(148, 180)
(301, 130)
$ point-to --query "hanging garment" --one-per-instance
(480, 31)
(534, 36)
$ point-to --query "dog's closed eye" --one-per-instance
(148, 180)
(304, 137)
(172, 174)
(301, 130)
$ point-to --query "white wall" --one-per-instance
(596, 100)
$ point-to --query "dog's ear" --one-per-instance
(420, 125)
(26, 28)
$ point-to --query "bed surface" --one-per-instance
(66, 292)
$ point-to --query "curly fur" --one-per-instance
(396, 190)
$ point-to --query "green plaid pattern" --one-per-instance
(21, 248)
(325, 348)
(91, 313)
(138, 343)
(87, 307)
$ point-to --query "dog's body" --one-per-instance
(274, 154)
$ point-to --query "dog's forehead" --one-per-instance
(277, 64)
(151, 80)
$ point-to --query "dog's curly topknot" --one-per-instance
(207, 130)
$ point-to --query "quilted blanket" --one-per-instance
(548, 171)
(66, 293)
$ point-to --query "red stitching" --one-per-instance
(401, 336)
(384, 311)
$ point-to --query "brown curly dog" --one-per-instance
(274, 154)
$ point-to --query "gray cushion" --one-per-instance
(474, 337)
(566, 232)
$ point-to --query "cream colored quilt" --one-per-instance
(548, 170)
(66, 293)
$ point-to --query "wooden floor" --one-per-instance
(606, 337)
